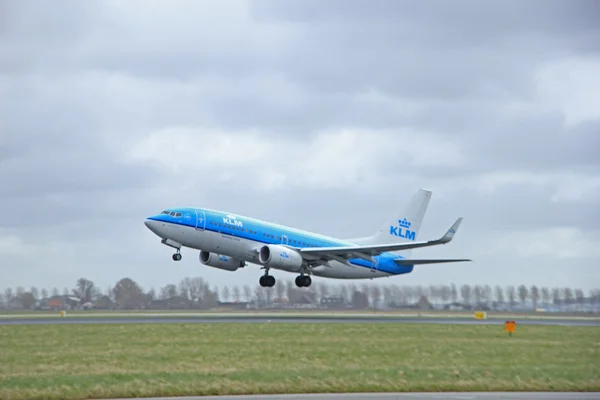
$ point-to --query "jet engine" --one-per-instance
(220, 261)
(279, 257)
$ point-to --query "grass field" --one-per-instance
(87, 361)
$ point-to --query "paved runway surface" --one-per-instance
(167, 319)
(407, 396)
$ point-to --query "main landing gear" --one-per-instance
(177, 256)
(303, 280)
(267, 280)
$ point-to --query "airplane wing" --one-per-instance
(367, 252)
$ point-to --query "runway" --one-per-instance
(279, 318)
(406, 396)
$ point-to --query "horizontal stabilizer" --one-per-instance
(404, 261)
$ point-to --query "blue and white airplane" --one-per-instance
(228, 241)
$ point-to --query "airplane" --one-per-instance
(229, 242)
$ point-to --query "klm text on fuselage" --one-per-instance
(402, 230)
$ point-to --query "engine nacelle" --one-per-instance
(220, 261)
(280, 257)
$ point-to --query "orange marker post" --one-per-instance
(510, 327)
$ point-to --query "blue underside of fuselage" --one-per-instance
(260, 232)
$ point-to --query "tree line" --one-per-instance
(127, 293)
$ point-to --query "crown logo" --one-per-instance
(404, 223)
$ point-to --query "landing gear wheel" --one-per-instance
(306, 281)
(177, 257)
(267, 281)
(303, 281)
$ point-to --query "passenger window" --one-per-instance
(178, 214)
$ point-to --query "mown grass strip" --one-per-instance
(95, 361)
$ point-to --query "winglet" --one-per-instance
(449, 235)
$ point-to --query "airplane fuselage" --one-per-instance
(239, 238)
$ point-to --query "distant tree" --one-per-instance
(209, 297)
(568, 295)
(199, 290)
(3, 302)
(27, 300)
(260, 295)
(580, 298)
(151, 295)
(487, 294)
(432, 293)
(20, 291)
(34, 292)
(535, 295)
(225, 293)
(360, 299)
(556, 296)
(499, 294)
(237, 293)
(184, 288)
(465, 292)
(344, 293)
(478, 294)
(247, 293)
(84, 290)
(366, 289)
(325, 289)
(453, 293)
(44, 293)
(280, 290)
(545, 292)
(55, 292)
(387, 294)
(419, 292)
(8, 295)
(66, 291)
(446, 294)
(511, 293)
(316, 289)
(168, 291)
(523, 293)
(128, 294)
(595, 296)
(376, 294)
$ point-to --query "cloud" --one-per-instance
(324, 116)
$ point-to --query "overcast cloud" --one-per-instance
(326, 116)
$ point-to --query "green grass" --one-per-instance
(95, 361)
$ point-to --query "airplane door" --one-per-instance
(200, 220)
(284, 239)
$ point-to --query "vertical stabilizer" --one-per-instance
(405, 226)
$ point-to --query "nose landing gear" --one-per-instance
(175, 245)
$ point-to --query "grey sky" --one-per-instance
(326, 116)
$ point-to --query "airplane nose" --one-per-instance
(150, 225)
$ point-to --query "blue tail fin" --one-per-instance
(404, 227)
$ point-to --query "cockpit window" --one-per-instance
(178, 214)
(165, 212)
